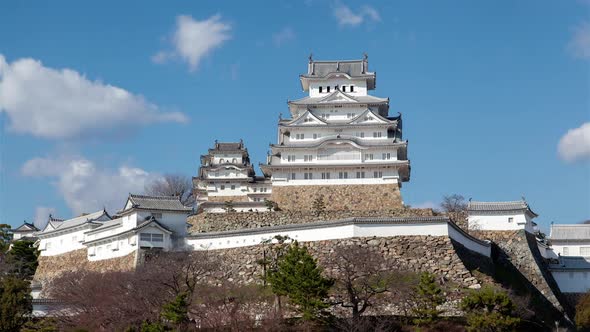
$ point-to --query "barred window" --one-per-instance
(585, 251)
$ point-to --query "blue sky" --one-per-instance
(96, 100)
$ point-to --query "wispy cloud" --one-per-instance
(579, 44)
(193, 40)
(84, 186)
(426, 205)
(284, 36)
(62, 103)
(575, 144)
(42, 215)
(347, 17)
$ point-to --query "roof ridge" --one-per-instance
(155, 196)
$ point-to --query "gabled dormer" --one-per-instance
(369, 117)
(307, 118)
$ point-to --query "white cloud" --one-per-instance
(347, 17)
(42, 215)
(579, 45)
(284, 36)
(61, 103)
(193, 40)
(426, 205)
(575, 144)
(86, 187)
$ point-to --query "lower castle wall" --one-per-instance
(338, 197)
(52, 266)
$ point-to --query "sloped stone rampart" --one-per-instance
(338, 197)
(217, 222)
(519, 249)
(52, 266)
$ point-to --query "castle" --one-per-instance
(340, 146)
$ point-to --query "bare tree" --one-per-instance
(453, 203)
(362, 278)
(116, 300)
(172, 185)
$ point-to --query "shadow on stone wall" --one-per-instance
(519, 266)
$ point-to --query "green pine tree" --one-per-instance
(300, 279)
(176, 311)
(5, 237)
(22, 259)
(489, 309)
(428, 296)
(15, 303)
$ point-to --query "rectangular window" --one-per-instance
(325, 175)
(386, 156)
(362, 134)
(343, 88)
(510, 219)
(369, 156)
(292, 176)
(157, 215)
(216, 174)
(255, 189)
(327, 89)
(222, 187)
(291, 158)
(300, 136)
(377, 134)
(343, 175)
(585, 251)
(352, 88)
(315, 136)
(157, 237)
(377, 174)
(320, 89)
(308, 157)
(566, 251)
(233, 187)
(145, 237)
(308, 176)
(360, 175)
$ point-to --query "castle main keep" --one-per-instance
(340, 143)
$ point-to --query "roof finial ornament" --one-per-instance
(310, 57)
(523, 198)
(280, 116)
(470, 199)
(365, 56)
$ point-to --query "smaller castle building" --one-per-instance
(501, 216)
(227, 180)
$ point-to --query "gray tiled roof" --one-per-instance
(368, 99)
(572, 232)
(77, 221)
(353, 68)
(166, 203)
(474, 206)
(25, 227)
(571, 263)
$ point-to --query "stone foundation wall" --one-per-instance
(216, 222)
(227, 198)
(435, 254)
(52, 266)
(338, 197)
